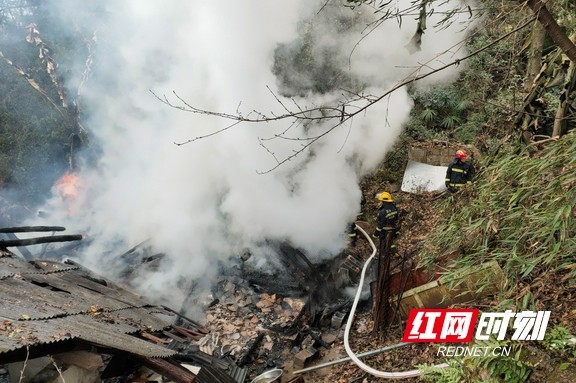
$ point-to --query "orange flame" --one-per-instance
(68, 186)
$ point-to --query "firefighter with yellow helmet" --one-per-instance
(387, 220)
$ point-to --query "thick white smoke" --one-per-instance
(204, 201)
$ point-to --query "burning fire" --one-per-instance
(69, 186)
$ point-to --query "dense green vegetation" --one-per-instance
(521, 211)
(33, 135)
(38, 120)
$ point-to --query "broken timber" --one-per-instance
(246, 358)
(169, 369)
(382, 306)
(34, 241)
(28, 229)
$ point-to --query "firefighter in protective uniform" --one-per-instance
(388, 220)
(459, 172)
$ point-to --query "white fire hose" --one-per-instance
(354, 357)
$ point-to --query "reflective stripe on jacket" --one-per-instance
(387, 217)
(459, 174)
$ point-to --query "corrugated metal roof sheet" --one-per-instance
(89, 328)
(141, 318)
(20, 297)
(56, 302)
(49, 266)
(100, 330)
(10, 266)
(18, 334)
(84, 293)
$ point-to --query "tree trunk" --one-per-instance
(560, 121)
(530, 119)
(553, 29)
(534, 54)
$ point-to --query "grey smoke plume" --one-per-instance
(204, 202)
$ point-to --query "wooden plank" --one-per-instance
(153, 338)
(28, 229)
(169, 369)
(34, 241)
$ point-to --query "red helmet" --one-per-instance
(461, 154)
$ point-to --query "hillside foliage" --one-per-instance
(521, 212)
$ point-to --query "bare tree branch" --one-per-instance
(322, 113)
(307, 114)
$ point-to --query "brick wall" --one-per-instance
(437, 153)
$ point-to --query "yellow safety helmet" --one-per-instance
(384, 197)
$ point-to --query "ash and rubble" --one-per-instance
(279, 317)
(281, 313)
(284, 314)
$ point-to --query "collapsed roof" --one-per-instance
(50, 307)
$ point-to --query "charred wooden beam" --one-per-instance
(246, 357)
(344, 305)
(297, 258)
(153, 338)
(34, 241)
(381, 307)
(186, 333)
(174, 337)
(283, 284)
(183, 330)
(405, 273)
(169, 369)
(86, 273)
(198, 326)
(210, 374)
(30, 229)
(318, 339)
(135, 248)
